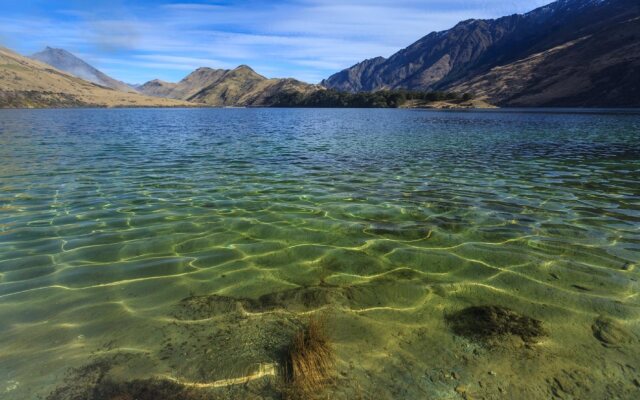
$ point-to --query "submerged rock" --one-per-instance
(150, 389)
(303, 298)
(400, 288)
(92, 382)
(487, 323)
(610, 333)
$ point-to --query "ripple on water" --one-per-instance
(190, 245)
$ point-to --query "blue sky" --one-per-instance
(136, 41)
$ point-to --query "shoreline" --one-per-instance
(437, 106)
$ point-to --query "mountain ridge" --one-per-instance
(445, 60)
(241, 86)
(65, 61)
(567, 53)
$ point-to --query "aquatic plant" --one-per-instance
(309, 361)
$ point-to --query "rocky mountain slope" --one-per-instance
(29, 83)
(522, 60)
(241, 86)
(602, 69)
(67, 62)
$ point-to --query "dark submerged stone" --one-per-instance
(610, 333)
(487, 323)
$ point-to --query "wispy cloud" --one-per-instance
(305, 39)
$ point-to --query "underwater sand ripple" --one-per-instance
(109, 219)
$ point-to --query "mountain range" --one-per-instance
(241, 86)
(28, 83)
(568, 53)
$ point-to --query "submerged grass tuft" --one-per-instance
(309, 361)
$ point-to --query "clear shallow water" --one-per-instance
(392, 219)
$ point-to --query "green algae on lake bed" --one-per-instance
(178, 253)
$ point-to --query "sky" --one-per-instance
(136, 41)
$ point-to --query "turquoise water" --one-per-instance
(384, 221)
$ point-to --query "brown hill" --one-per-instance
(241, 86)
(27, 83)
(189, 86)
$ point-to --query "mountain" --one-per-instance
(241, 86)
(158, 88)
(570, 52)
(190, 85)
(31, 84)
(67, 62)
(602, 69)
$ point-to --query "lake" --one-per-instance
(450, 254)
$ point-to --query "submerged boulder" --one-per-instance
(610, 332)
(93, 382)
(488, 323)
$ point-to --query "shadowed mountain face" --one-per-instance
(67, 62)
(241, 86)
(520, 59)
(602, 69)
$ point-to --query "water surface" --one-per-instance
(147, 237)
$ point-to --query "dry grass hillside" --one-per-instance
(238, 87)
(26, 83)
(244, 87)
(189, 86)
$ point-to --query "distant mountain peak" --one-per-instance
(156, 82)
(71, 64)
(244, 67)
(204, 69)
(246, 72)
(48, 50)
(56, 52)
